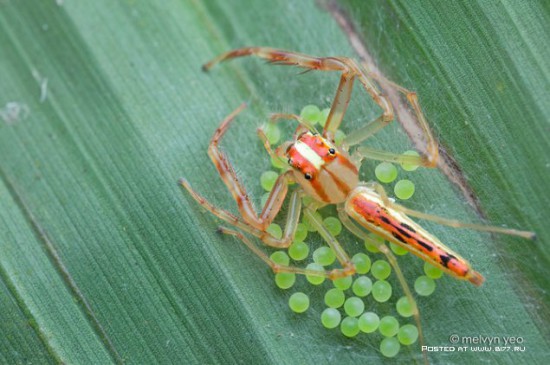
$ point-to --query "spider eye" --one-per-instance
(332, 151)
(308, 176)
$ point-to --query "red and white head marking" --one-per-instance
(323, 170)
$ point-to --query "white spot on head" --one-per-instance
(309, 154)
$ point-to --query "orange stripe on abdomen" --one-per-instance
(407, 236)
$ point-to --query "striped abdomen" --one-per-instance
(365, 206)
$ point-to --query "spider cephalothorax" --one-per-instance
(322, 169)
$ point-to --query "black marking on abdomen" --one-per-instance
(403, 232)
(385, 220)
(445, 260)
(425, 245)
(406, 226)
(399, 237)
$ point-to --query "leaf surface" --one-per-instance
(104, 260)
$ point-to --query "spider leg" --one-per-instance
(277, 268)
(250, 221)
(281, 57)
(359, 232)
(229, 177)
(380, 99)
(447, 222)
(293, 216)
(277, 154)
(373, 154)
(267, 145)
(339, 104)
(341, 254)
(432, 151)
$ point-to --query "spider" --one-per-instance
(330, 175)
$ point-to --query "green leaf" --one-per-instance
(103, 259)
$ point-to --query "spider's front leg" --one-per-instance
(250, 221)
(346, 66)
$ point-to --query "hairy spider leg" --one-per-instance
(348, 67)
(251, 222)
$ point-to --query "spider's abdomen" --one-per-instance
(366, 207)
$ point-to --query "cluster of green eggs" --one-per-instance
(346, 298)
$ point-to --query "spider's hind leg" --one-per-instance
(277, 268)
